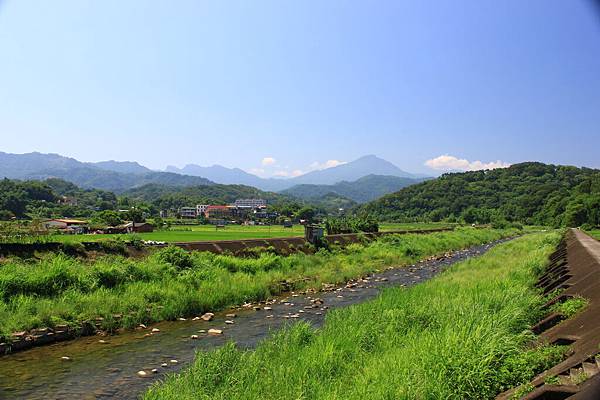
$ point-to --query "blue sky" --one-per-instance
(300, 83)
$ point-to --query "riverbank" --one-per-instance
(108, 367)
(461, 335)
(59, 294)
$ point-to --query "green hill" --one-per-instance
(51, 198)
(531, 192)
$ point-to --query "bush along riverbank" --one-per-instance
(64, 295)
(462, 335)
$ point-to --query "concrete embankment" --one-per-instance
(574, 271)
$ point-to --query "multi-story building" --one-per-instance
(187, 212)
(250, 203)
(201, 209)
(217, 212)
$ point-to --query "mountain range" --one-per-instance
(351, 171)
(359, 180)
(361, 190)
(108, 175)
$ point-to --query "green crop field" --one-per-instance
(198, 233)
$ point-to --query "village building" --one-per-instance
(201, 209)
(188, 212)
(137, 227)
(66, 225)
(250, 203)
(218, 212)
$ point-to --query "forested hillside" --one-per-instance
(171, 197)
(361, 190)
(532, 193)
(52, 198)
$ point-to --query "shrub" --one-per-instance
(176, 257)
(351, 225)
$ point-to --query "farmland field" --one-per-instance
(197, 233)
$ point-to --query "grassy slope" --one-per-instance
(461, 335)
(59, 289)
(595, 234)
(232, 232)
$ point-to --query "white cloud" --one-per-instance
(327, 164)
(270, 167)
(268, 161)
(448, 163)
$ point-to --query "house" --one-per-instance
(201, 209)
(218, 212)
(66, 200)
(188, 212)
(250, 203)
(138, 227)
(67, 225)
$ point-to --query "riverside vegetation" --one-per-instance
(170, 283)
(464, 334)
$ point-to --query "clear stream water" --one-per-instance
(109, 370)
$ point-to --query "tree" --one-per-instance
(307, 213)
(108, 217)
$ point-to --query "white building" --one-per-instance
(250, 203)
(187, 212)
(201, 209)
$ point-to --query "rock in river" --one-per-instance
(208, 316)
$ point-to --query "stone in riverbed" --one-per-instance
(65, 358)
(207, 316)
(154, 370)
(267, 308)
(194, 337)
(142, 374)
(229, 322)
(155, 330)
(173, 361)
(164, 365)
(231, 315)
(215, 332)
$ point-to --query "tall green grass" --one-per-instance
(462, 335)
(595, 233)
(171, 283)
